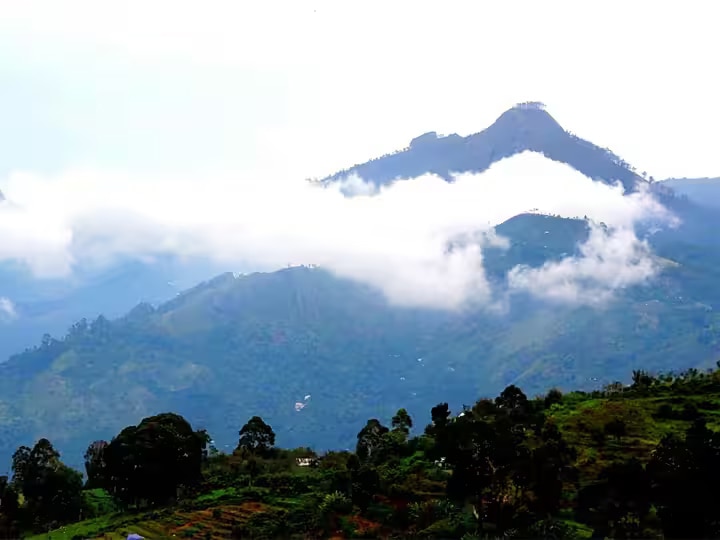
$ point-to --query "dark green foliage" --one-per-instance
(150, 462)
(553, 396)
(285, 484)
(256, 436)
(192, 354)
(95, 466)
(678, 467)
(9, 510)
(616, 428)
(371, 441)
(402, 422)
(503, 467)
(51, 490)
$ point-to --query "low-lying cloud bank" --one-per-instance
(609, 260)
(394, 238)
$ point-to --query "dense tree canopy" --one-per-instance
(505, 467)
(150, 462)
(256, 436)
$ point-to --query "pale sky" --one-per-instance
(143, 128)
(304, 88)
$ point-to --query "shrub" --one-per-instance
(553, 396)
(690, 412)
(285, 483)
(709, 405)
(665, 411)
(616, 428)
(262, 525)
(335, 503)
(598, 436)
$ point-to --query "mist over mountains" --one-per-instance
(521, 254)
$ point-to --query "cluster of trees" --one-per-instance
(155, 463)
(51, 492)
(502, 467)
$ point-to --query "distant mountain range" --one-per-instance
(318, 355)
(52, 306)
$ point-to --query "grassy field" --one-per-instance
(581, 418)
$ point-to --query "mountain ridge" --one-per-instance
(526, 126)
(235, 345)
(52, 307)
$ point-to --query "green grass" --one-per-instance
(577, 417)
(99, 502)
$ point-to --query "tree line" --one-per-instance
(501, 468)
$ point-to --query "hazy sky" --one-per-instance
(394, 238)
(137, 128)
(309, 87)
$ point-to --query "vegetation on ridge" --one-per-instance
(259, 344)
(624, 462)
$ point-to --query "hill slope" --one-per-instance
(610, 443)
(52, 307)
(241, 345)
(262, 343)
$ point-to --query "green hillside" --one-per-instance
(617, 462)
(261, 343)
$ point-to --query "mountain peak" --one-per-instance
(529, 115)
(525, 126)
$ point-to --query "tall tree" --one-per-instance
(402, 422)
(149, 463)
(95, 466)
(256, 436)
(440, 414)
(52, 491)
(370, 440)
(470, 449)
(512, 399)
(20, 465)
(552, 468)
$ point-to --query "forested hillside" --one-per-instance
(309, 350)
(622, 462)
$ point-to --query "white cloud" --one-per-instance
(7, 309)
(394, 238)
(611, 259)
